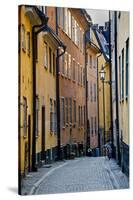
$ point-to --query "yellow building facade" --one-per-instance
(46, 140)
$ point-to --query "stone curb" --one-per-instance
(36, 185)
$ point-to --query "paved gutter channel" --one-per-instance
(114, 182)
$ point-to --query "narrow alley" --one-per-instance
(79, 175)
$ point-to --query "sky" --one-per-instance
(98, 16)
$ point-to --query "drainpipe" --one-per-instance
(58, 93)
(98, 102)
(40, 27)
(116, 90)
(110, 68)
(19, 106)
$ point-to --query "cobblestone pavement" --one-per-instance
(78, 175)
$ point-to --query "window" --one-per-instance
(51, 115)
(87, 90)
(50, 60)
(28, 43)
(79, 115)
(55, 117)
(67, 110)
(74, 69)
(95, 126)
(25, 116)
(92, 125)
(82, 41)
(70, 110)
(73, 29)
(127, 65)
(91, 91)
(54, 64)
(63, 112)
(66, 20)
(23, 38)
(69, 66)
(76, 38)
(78, 73)
(94, 92)
(122, 73)
(90, 61)
(120, 77)
(63, 64)
(81, 75)
(37, 115)
(84, 115)
(74, 102)
(94, 62)
(45, 55)
(66, 64)
(84, 77)
(69, 23)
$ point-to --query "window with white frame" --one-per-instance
(73, 29)
(66, 20)
(45, 56)
(73, 65)
(69, 23)
(69, 65)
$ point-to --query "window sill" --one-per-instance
(63, 127)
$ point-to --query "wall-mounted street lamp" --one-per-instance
(102, 78)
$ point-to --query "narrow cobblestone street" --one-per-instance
(78, 175)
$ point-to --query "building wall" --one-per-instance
(25, 89)
(123, 36)
(70, 88)
(101, 62)
(46, 90)
(92, 97)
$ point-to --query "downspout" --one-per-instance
(41, 27)
(116, 90)
(110, 68)
(98, 102)
(19, 103)
(58, 94)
